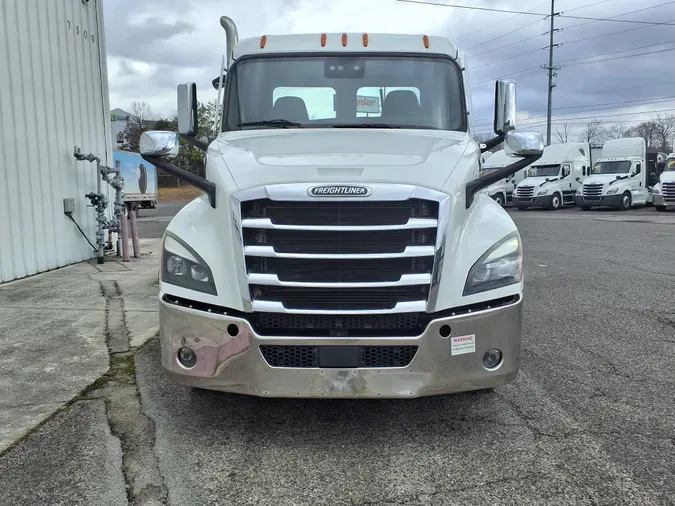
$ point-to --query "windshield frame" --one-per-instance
(229, 82)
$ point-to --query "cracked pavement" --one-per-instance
(589, 420)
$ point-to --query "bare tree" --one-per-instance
(594, 132)
(616, 131)
(665, 129)
(647, 130)
(563, 136)
(142, 118)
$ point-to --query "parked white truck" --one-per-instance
(338, 255)
(502, 191)
(553, 180)
(664, 191)
(619, 178)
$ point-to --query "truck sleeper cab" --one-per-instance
(341, 248)
(664, 191)
(552, 182)
(502, 191)
(619, 178)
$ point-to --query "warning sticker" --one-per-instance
(463, 344)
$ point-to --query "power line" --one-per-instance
(505, 59)
(620, 57)
(421, 2)
(596, 116)
(612, 18)
(607, 34)
(508, 45)
(499, 37)
(587, 6)
(619, 51)
(495, 24)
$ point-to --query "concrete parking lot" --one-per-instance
(590, 419)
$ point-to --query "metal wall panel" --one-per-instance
(53, 96)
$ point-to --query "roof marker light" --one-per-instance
(344, 39)
(425, 39)
(263, 41)
(365, 40)
(323, 40)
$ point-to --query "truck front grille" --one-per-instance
(337, 257)
(592, 191)
(668, 192)
(355, 356)
(525, 192)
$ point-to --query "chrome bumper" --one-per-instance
(658, 200)
(236, 364)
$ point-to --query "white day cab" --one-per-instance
(664, 191)
(337, 253)
(619, 178)
(502, 191)
(553, 180)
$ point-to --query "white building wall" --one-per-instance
(53, 96)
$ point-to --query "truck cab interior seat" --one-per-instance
(400, 103)
(291, 109)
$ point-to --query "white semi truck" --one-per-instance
(338, 255)
(664, 191)
(502, 191)
(619, 178)
(553, 180)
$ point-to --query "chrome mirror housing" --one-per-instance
(505, 106)
(187, 109)
(519, 143)
(159, 143)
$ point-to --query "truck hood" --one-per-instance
(667, 177)
(602, 179)
(419, 157)
(534, 181)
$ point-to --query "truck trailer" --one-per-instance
(338, 255)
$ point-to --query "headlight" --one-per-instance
(542, 192)
(579, 191)
(182, 266)
(501, 265)
(656, 189)
(612, 191)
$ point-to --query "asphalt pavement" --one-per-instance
(589, 420)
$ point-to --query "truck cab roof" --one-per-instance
(345, 43)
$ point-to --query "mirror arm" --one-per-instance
(489, 144)
(198, 182)
(472, 187)
(193, 141)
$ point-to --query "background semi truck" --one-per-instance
(664, 190)
(335, 254)
(502, 191)
(619, 178)
(553, 180)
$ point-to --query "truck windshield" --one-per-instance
(361, 91)
(543, 171)
(617, 167)
(670, 165)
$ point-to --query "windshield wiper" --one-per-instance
(276, 123)
(366, 125)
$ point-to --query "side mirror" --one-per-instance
(519, 143)
(187, 109)
(505, 106)
(159, 143)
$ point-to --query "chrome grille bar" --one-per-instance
(269, 252)
(405, 280)
(266, 224)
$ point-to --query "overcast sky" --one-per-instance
(153, 45)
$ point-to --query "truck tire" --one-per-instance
(142, 179)
(499, 199)
(556, 202)
(625, 202)
(660, 208)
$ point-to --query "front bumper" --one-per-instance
(603, 201)
(236, 364)
(659, 201)
(543, 201)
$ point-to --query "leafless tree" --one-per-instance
(647, 130)
(142, 118)
(594, 132)
(563, 136)
(665, 129)
(616, 131)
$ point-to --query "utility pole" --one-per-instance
(551, 71)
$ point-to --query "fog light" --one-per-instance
(188, 359)
(492, 358)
